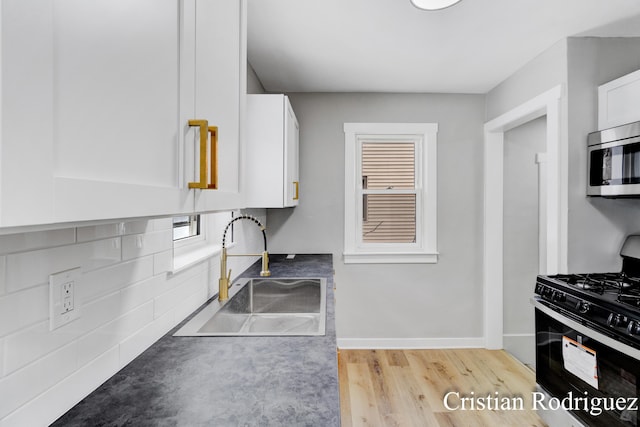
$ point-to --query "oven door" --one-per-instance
(609, 397)
(614, 168)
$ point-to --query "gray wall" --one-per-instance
(521, 235)
(445, 299)
(597, 226)
(254, 85)
(393, 301)
(542, 73)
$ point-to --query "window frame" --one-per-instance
(198, 238)
(424, 249)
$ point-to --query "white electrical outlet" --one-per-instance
(63, 306)
(67, 296)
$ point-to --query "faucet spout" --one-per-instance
(224, 283)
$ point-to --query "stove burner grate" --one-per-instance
(601, 283)
(625, 288)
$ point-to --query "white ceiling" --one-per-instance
(390, 46)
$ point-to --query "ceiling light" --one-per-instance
(433, 4)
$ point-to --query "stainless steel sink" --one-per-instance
(264, 306)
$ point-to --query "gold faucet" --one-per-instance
(225, 277)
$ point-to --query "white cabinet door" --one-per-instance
(221, 80)
(291, 146)
(97, 87)
(619, 101)
(96, 99)
(26, 117)
(272, 152)
(119, 107)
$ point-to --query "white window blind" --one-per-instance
(388, 192)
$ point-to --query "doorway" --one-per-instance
(523, 175)
(553, 234)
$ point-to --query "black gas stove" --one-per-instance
(607, 302)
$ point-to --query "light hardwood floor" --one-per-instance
(407, 388)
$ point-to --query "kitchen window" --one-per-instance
(390, 193)
(197, 238)
(186, 226)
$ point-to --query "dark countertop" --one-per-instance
(227, 381)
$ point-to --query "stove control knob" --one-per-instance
(616, 320)
(583, 307)
(633, 328)
(559, 296)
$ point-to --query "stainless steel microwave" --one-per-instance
(614, 162)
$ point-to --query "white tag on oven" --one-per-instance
(581, 361)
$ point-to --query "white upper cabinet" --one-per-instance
(221, 81)
(272, 152)
(96, 100)
(619, 101)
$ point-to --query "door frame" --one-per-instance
(551, 104)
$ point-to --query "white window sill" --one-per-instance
(188, 256)
(390, 258)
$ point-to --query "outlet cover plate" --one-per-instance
(63, 303)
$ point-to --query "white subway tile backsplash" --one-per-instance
(101, 253)
(21, 386)
(138, 293)
(3, 263)
(138, 227)
(137, 245)
(181, 276)
(33, 268)
(101, 282)
(2, 371)
(162, 224)
(29, 344)
(176, 295)
(190, 303)
(54, 402)
(100, 340)
(22, 242)
(97, 232)
(127, 301)
(133, 346)
(163, 262)
(22, 309)
(185, 307)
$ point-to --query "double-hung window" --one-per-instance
(390, 193)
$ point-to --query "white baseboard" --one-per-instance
(409, 343)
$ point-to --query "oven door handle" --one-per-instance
(608, 341)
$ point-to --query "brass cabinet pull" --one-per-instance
(213, 131)
(205, 130)
(203, 124)
(297, 185)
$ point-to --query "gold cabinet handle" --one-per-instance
(205, 131)
(213, 131)
(297, 185)
(203, 125)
